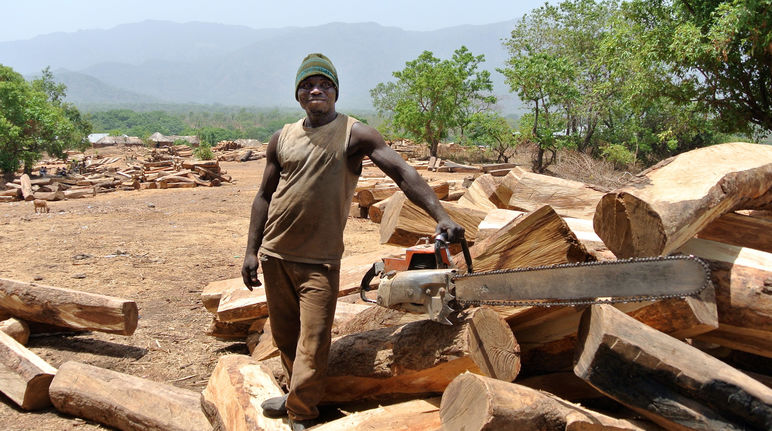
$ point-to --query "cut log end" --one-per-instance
(628, 226)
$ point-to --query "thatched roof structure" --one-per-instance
(109, 141)
(160, 140)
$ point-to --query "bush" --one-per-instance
(618, 154)
(204, 152)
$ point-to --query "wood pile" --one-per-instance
(635, 366)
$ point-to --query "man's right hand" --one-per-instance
(249, 270)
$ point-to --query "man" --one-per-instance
(296, 228)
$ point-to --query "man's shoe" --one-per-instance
(275, 407)
(296, 425)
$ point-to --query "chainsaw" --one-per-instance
(420, 285)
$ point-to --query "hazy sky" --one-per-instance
(25, 19)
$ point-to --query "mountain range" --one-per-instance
(205, 63)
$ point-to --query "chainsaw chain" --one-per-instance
(572, 302)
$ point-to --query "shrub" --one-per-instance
(204, 152)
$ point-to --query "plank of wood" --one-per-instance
(68, 308)
(404, 223)
(232, 397)
(740, 230)
(672, 383)
(526, 191)
(24, 376)
(665, 206)
(473, 402)
(123, 401)
(414, 415)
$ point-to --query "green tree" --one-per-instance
(33, 120)
(493, 131)
(431, 97)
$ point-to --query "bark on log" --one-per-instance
(415, 415)
(665, 206)
(123, 401)
(16, 329)
(743, 280)
(483, 194)
(420, 357)
(537, 238)
(404, 223)
(232, 398)
(24, 376)
(527, 191)
(740, 230)
(675, 385)
(472, 403)
(68, 308)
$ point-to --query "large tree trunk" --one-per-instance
(666, 205)
(123, 401)
(68, 308)
(673, 384)
(472, 403)
(232, 398)
(24, 377)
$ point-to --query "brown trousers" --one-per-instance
(301, 305)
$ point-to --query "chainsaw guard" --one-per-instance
(421, 290)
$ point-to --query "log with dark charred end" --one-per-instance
(25, 377)
(483, 194)
(743, 281)
(668, 204)
(68, 308)
(673, 384)
(537, 238)
(472, 402)
(232, 398)
(527, 191)
(415, 415)
(404, 223)
(420, 357)
(123, 401)
(17, 329)
(740, 230)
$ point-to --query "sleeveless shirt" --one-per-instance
(309, 208)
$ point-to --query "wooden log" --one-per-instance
(404, 223)
(49, 196)
(375, 318)
(68, 308)
(211, 294)
(665, 206)
(123, 401)
(525, 191)
(472, 402)
(563, 384)
(212, 173)
(414, 415)
(232, 398)
(79, 193)
(455, 195)
(16, 329)
(230, 330)
(673, 384)
(14, 193)
(375, 211)
(483, 194)
(8, 198)
(743, 280)
(537, 238)
(375, 194)
(449, 166)
(26, 188)
(25, 377)
(740, 230)
(419, 357)
(489, 167)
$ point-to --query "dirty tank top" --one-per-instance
(309, 208)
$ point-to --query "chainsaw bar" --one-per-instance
(602, 282)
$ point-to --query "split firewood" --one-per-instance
(472, 402)
(483, 194)
(741, 230)
(68, 308)
(17, 329)
(673, 384)
(419, 357)
(25, 377)
(236, 388)
(414, 415)
(743, 281)
(525, 191)
(665, 206)
(123, 401)
(404, 223)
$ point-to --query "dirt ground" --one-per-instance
(157, 247)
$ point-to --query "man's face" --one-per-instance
(316, 94)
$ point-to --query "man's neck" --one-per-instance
(317, 120)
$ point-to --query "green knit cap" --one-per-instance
(317, 64)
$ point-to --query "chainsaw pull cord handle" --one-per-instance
(364, 286)
(441, 242)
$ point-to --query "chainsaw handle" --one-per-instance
(441, 242)
(364, 286)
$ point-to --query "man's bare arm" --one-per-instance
(259, 213)
(366, 141)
